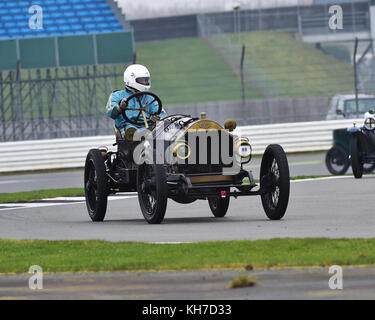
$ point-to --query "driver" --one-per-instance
(369, 124)
(137, 78)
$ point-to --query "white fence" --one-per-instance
(71, 153)
(296, 136)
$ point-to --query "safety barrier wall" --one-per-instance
(71, 152)
(52, 52)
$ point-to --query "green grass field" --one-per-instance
(189, 71)
(94, 255)
(194, 72)
(299, 68)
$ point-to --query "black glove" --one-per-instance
(122, 105)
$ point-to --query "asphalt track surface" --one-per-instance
(303, 164)
(358, 283)
(327, 207)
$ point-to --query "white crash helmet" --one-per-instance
(370, 120)
(137, 77)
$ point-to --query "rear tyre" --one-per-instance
(219, 206)
(96, 185)
(337, 161)
(355, 156)
(152, 192)
(274, 173)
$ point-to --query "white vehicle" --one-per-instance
(344, 106)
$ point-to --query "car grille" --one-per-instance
(208, 162)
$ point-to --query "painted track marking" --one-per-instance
(60, 201)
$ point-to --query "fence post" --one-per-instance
(355, 76)
(19, 101)
(242, 76)
(2, 108)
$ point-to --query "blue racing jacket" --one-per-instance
(120, 123)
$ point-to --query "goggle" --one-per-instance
(144, 81)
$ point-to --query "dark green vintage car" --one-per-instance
(175, 158)
(338, 157)
(362, 146)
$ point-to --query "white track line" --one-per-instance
(13, 181)
(323, 178)
(115, 197)
(14, 206)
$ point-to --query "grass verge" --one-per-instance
(97, 255)
(40, 194)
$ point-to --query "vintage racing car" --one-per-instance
(176, 158)
(338, 157)
(362, 145)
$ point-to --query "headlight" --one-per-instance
(243, 149)
(370, 123)
(182, 151)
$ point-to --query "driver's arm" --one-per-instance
(155, 107)
(114, 105)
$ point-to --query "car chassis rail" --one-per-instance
(182, 183)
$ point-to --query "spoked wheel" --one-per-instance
(96, 185)
(368, 167)
(337, 160)
(356, 158)
(219, 206)
(274, 173)
(152, 192)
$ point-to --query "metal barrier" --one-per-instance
(295, 137)
(71, 153)
(56, 103)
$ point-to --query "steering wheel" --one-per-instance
(142, 108)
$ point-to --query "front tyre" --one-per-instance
(274, 182)
(219, 206)
(152, 192)
(357, 165)
(337, 160)
(96, 185)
